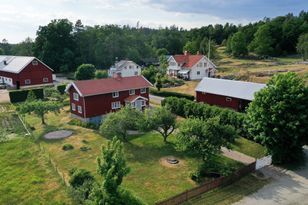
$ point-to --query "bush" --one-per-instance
(88, 125)
(61, 88)
(21, 95)
(67, 147)
(171, 94)
(85, 148)
(187, 108)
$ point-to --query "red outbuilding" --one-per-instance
(227, 93)
(92, 99)
(23, 71)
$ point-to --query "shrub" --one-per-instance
(61, 88)
(67, 147)
(171, 94)
(85, 148)
(187, 108)
(88, 125)
(21, 95)
(79, 176)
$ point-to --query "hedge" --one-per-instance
(21, 95)
(61, 88)
(187, 108)
(171, 94)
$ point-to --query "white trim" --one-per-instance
(73, 107)
(27, 81)
(75, 96)
(138, 97)
(115, 94)
(45, 81)
(132, 92)
(142, 92)
(79, 108)
(115, 105)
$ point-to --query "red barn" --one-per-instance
(23, 71)
(90, 100)
(227, 93)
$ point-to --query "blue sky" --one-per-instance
(20, 18)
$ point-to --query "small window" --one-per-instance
(76, 96)
(115, 94)
(143, 90)
(136, 73)
(131, 92)
(73, 107)
(198, 72)
(79, 109)
(28, 82)
(34, 62)
(45, 80)
(115, 105)
(228, 99)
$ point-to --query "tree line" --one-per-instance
(64, 45)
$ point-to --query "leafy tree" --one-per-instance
(278, 117)
(262, 42)
(79, 176)
(31, 96)
(204, 137)
(161, 52)
(158, 83)
(53, 94)
(85, 72)
(302, 46)
(25, 48)
(161, 120)
(118, 123)
(238, 44)
(39, 108)
(191, 47)
(99, 74)
(150, 73)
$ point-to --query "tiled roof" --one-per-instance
(109, 85)
(189, 60)
(230, 88)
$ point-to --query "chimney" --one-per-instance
(117, 75)
(185, 53)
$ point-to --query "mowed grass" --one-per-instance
(249, 147)
(148, 178)
(26, 176)
(230, 194)
(11, 122)
(187, 88)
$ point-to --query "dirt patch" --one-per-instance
(60, 134)
(163, 162)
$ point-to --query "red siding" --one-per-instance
(101, 104)
(218, 100)
(34, 73)
(77, 103)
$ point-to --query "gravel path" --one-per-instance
(237, 156)
(60, 134)
(287, 187)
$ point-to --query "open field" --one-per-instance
(148, 179)
(230, 194)
(187, 88)
(27, 177)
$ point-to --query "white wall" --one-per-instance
(8, 81)
(200, 67)
(127, 70)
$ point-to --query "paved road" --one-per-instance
(156, 99)
(4, 96)
(287, 187)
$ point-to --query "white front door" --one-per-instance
(139, 104)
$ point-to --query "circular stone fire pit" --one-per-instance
(60, 134)
(172, 160)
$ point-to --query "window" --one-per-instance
(115, 94)
(131, 92)
(79, 109)
(198, 72)
(136, 73)
(142, 103)
(45, 80)
(28, 82)
(34, 62)
(172, 64)
(143, 90)
(130, 67)
(115, 105)
(73, 107)
(228, 99)
(76, 96)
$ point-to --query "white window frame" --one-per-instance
(76, 96)
(27, 82)
(143, 90)
(45, 80)
(115, 105)
(73, 107)
(115, 94)
(79, 108)
(228, 99)
(132, 92)
(35, 62)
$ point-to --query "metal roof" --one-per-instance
(230, 88)
(15, 64)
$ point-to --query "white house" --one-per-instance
(127, 68)
(191, 67)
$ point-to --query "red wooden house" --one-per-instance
(92, 99)
(227, 93)
(23, 71)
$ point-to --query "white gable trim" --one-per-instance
(76, 88)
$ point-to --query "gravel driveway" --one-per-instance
(4, 96)
(287, 187)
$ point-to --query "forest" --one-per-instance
(64, 45)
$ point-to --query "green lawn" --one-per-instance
(248, 147)
(230, 194)
(26, 177)
(148, 178)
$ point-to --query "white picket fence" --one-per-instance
(264, 161)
